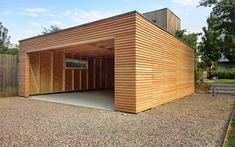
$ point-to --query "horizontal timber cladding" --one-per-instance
(149, 67)
(120, 28)
(164, 66)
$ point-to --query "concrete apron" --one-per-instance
(100, 99)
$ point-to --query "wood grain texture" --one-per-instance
(69, 80)
(8, 75)
(77, 80)
(164, 66)
(34, 79)
(58, 72)
(46, 72)
(149, 66)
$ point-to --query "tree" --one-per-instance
(5, 45)
(4, 38)
(51, 29)
(190, 38)
(224, 12)
(210, 47)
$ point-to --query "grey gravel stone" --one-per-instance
(198, 120)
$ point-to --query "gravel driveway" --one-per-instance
(198, 120)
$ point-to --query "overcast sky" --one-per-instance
(26, 18)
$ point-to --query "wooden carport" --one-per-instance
(146, 61)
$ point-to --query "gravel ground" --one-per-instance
(198, 120)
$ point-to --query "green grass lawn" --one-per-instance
(231, 138)
(225, 81)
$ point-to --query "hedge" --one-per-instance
(226, 74)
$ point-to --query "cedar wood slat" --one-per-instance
(151, 66)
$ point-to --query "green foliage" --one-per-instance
(198, 73)
(5, 45)
(209, 48)
(224, 13)
(225, 81)
(198, 76)
(231, 136)
(4, 38)
(11, 51)
(226, 74)
(51, 29)
(190, 38)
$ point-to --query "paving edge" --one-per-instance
(229, 128)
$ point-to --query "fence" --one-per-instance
(8, 75)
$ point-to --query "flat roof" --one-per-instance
(112, 17)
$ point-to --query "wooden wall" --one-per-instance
(48, 73)
(58, 72)
(99, 75)
(164, 66)
(8, 75)
(34, 69)
(120, 28)
(151, 66)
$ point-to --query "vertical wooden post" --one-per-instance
(72, 79)
(52, 71)
(87, 74)
(101, 79)
(64, 64)
(39, 81)
(94, 73)
(80, 77)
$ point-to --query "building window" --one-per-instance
(76, 63)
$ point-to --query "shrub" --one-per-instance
(226, 74)
(198, 76)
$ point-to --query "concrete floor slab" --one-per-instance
(101, 99)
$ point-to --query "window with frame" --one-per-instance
(76, 63)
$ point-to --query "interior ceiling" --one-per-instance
(94, 49)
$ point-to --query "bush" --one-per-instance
(198, 76)
(226, 74)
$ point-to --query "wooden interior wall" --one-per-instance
(99, 75)
(44, 66)
(91, 73)
(46, 72)
(49, 75)
(34, 69)
(108, 73)
(69, 80)
(58, 72)
(77, 80)
(164, 66)
(121, 28)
